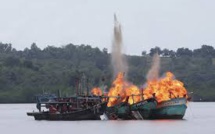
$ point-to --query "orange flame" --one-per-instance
(121, 90)
(165, 89)
(134, 94)
(117, 92)
(96, 91)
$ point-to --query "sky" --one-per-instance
(145, 23)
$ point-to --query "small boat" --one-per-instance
(82, 106)
(171, 109)
(92, 113)
(142, 110)
(70, 108)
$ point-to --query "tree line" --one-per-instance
(25, 73)
(204, 51)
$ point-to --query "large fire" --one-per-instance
(165, 88)
(162, 89)
(121, 91)
(134, 94)
(117, 93)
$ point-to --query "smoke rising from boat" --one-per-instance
(153, 73)
(118, 60)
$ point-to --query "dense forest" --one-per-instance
(33, 70)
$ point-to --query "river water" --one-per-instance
(199, 118)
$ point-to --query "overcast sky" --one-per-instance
(145, 23)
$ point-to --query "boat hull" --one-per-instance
(142, 110)
(77, 115)
(92, 113)
(119, 111)
(172, 109)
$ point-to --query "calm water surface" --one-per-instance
(199, 119)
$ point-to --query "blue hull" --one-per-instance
(142, 109)
(172, 109)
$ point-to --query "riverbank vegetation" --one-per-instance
(33, 70)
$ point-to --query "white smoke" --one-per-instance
(153, 73)
(117, 58)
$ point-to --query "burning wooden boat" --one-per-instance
(171, 109)
(120, 111)
(127, 111)
(171, 96)
(142, 110)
